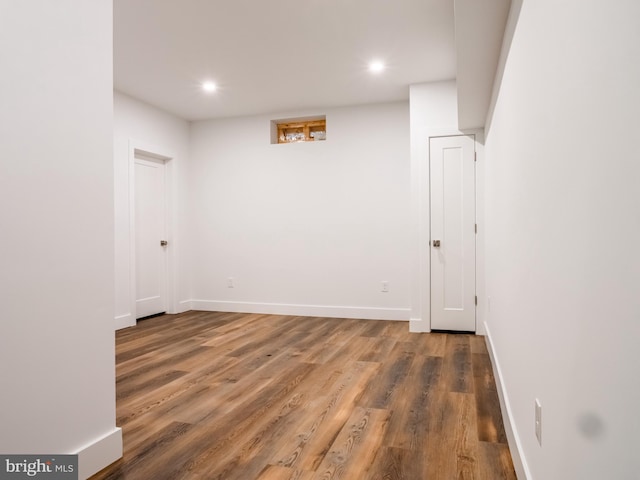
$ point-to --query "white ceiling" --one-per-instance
(278, 56)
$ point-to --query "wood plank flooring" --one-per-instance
(224, 396)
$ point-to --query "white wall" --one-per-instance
(563, 268)
(310, 228)
(56, 212)
(434, 112)
(139, 125)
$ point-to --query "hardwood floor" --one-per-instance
(207, 396)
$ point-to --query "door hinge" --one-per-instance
(476, 228)
(476, 299)
(475, 157)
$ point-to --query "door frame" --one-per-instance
(440, 161)
(421, 251)
(141, 148)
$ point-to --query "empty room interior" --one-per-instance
(299, 240)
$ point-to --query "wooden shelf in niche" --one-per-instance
(294, 131)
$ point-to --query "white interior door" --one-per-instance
(453, 243)
(150, 231)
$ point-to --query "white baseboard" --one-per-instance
(129, 320)
(367, 313)
(184, 306)
(417, 325)
(99, 454)
(515, 446)
(124, 321)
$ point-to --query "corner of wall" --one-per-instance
(124, 321)
(184, 306)
(99, 454)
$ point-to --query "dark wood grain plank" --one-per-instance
(490, 426)
(494, 462)
(453, 424)
(325, 417)
(276, 472)
(477, 344)
(457, 364)
(144, 461)
(389, 383)
(353, 451)
(393, 463)
(410, 421)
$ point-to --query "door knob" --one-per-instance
(163, 243)
(436, 243)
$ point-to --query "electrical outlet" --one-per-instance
(538, 421)
(384, 286)
(230, 282)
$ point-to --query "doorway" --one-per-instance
(150, 232)
(452, 244)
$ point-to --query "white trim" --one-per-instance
(124, 321)
(366, 313)
(416, 325)
(515, 446)
(132, 228)
(184, 306)
(169, 159)
(420, 275)
(99, 454)
(481, 307)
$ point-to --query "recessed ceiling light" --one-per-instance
(376, 66)
(209, 87)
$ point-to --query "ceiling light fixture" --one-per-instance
(209, 87)
(376, 66)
